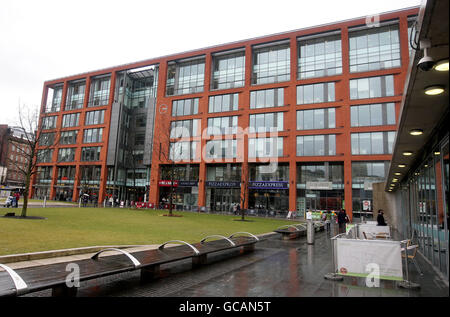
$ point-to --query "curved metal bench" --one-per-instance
(247, 233)
(218, 236)
(161, 247)
(289, 234)
(54, 276)
(19, 284)
(136, 263)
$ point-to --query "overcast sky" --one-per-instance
(48, 39)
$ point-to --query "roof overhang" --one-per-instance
(418, 110)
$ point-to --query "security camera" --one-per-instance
(426, 63)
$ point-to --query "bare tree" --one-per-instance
(165, 150)
(35, 145)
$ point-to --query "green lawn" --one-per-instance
(82, 227)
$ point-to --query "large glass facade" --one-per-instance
(271, 63)
(267, 98)
(266, 122)
(427, 193)
(228, 70)
(320, 186)
(223, 187)
(364, 174)
(316, 145)
(372, 115)
(374, 48)
(372, 143)
(315, 93)
(319, 56)
(184, 189)
(99, 93)
(324, 118)
(54, 97)
(373, 87)
(185, 77)
(75, 95)
(268, 189)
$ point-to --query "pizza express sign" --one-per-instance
(268, 185)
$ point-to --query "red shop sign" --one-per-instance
(167, 183)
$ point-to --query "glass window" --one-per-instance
(266, 122)
(373, 87)
(49, 123)
(185, 150)
(223, 103)
(222, 125)
(315, 93)
(90, 153)
(374, 48)
(316, 145)
(372, 143)
(316, 119)
(228, 71)
(70, 120)
(66, 155)
(54, 97)
(265, 147)
(267, 98)
(185, 77)
(184, 128)
(95, 117)
(93, 135)
(372, 115)
(99, 93)
(68, 137)
(271, 64)
(319, 57)
(219, 149)
(75, 95)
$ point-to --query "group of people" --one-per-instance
(342, 219)
(13, 200)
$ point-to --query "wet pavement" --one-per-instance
(277, 268)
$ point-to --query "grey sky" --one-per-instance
(48, 39)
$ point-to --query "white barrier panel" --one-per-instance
(372, 231)
(357, 257)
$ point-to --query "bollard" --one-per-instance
(310, 232)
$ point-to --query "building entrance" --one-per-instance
(222, 199)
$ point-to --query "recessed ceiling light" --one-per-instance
(416, 132)
(407, 153)
(434, 90)
(398, 174)
(437, 153)
(401, 165)
(426, 165)
(442, 66)
(395, 179)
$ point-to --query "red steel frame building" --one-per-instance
(342, 103)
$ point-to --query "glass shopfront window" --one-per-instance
(320, 186)
(268, 188)
(364, 174)
(427, 190)
(223, 187)
(185, 186)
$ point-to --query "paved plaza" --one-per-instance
(277, 268)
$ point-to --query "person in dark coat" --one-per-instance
(342, 220)
(380, 218)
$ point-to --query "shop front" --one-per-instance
(320, 187)
(184, 194)
(222, 196)
(270, 197)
